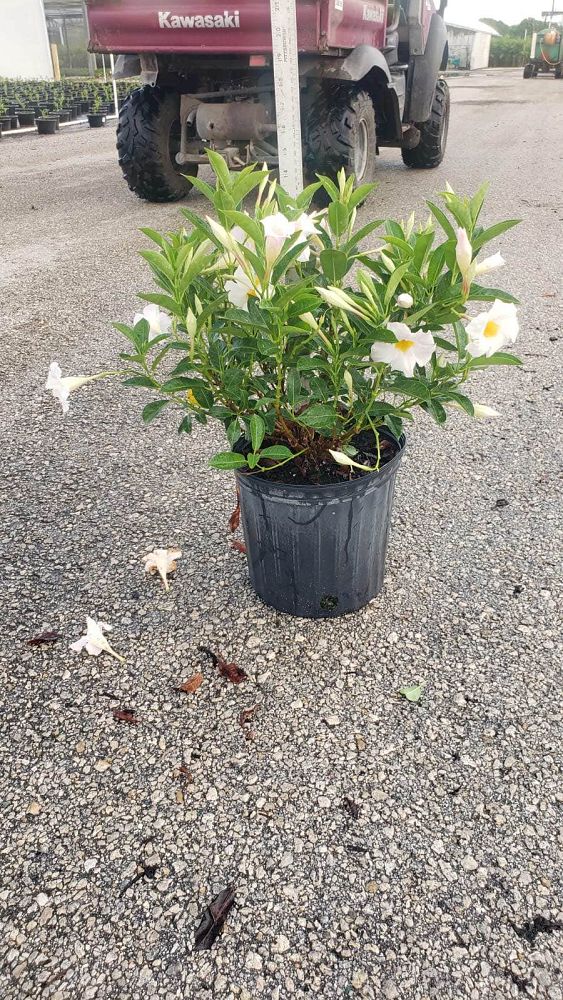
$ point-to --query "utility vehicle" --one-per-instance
(369, 77)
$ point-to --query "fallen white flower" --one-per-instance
(163, 562)
(483, 412)
(95, 642)
(343, 459)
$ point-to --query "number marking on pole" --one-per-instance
(288, 97)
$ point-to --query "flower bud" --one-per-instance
(405, 301)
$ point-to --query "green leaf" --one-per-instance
(257, 431)
(153, 409)
(413, 694)
(443, 220)
(395, 281)
(338, 218)
(293, 387)
(181, 384)
(252, 461)
(479, 293)
(501, 358)
(277, 451)
(220, 169)
(444, 344)
(320, 417)
(140, 382)
(233, 432)
(186, 426)
(228, 460)
(335, 264)
(491, 234)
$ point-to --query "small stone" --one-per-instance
(469, 863)
(390, 991)
(42, 899)
(212, 795)
(90, 864)
(280, 945)
(102, 765)
(323, 801)
(332, 721)
(359, 979)
(253, 962)
(371, 887)
(392, 638)
(34, 809)
(361, 744)
(80, 746)
(179, 796)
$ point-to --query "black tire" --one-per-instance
(341, 133)
(528, 71)
(148, 138)
(558, 72)
(433, 134)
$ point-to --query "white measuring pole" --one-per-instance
(288, 97)
(113, 84)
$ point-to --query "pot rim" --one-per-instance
(258, 483)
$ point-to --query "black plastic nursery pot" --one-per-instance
(47, 126)
(26, 119)
(96, 120)
(318, 551)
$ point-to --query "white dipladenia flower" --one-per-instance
(491, 331)
(470, 268)
(163, 562)
(278, 230)
(405, 301)
(410, 348)
(62, 387)
(95, 642)
(159, 322)
(240, 289)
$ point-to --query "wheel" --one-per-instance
(559, 71)
(528, 71)
(148, 138)
(433, 134)
(341, 133)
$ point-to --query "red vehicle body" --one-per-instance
(369, 75)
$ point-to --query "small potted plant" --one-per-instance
(46, 123)
(5, 118)
(96, 117)
(314, 354)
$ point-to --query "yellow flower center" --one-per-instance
(404, 345)
(491, 329)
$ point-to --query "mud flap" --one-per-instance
(423, 73)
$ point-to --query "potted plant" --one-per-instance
(96, 117)
(46, 124)
(258, 324)
(5, 118)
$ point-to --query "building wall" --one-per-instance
(24, 45)
(481, 50)
(460, 43)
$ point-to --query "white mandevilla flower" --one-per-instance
(240, 289)
(491, 331)
(410, 348)
(163, 562)
(62, 387)
(278, 230)
(95, 642)
(159, 322)
(470, 268)
(405, 301)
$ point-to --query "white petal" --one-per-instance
(53, 375)
(79, 645)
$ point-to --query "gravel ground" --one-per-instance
(445, 881)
